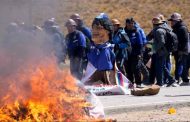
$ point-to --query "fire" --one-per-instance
(42, 93)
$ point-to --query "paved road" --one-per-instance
(171, 96)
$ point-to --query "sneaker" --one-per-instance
(165, 85)
(184, 84)
(179, 81)
(139, 86)
(173, 84)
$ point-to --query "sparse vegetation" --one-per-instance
(141, 10)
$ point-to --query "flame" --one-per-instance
(42, 93)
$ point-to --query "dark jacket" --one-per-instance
(181, 30)
(159, 40)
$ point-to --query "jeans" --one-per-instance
(181, 69)
(157, 69)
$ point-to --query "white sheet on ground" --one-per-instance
(97, 109)
(106, 89)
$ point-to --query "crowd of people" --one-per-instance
(143, 59)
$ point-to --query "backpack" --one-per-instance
(171, 43)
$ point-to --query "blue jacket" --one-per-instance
(136, 40)
(101, 56)
(85, 30)
(122, 43)
(76, 44)
(143, 35)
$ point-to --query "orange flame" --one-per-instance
(42, 93)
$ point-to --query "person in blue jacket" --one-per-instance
(100, 54)
(76, 44)
(137, 43)
(122, 45)
(86, 31)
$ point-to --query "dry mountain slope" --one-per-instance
(141, 10)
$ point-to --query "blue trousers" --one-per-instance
(157, 69)
(181, 68)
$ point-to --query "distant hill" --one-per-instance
(141, 10)
(36, 11)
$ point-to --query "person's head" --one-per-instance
(102, 30)
(129, 23)
(175, 18)
(48, 23)
(116, 24)
(76, 17)
(156, 21)
(71, 25)
(161, 16)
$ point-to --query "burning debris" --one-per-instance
(33, 88)
(48, 95)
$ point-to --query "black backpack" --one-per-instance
(171, 43)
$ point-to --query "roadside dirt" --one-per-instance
(182, 114)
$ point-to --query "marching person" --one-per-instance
(122, 45)
(76, 44)
(87, 33)
(158, 65)
(181, 55)
(55, 40)
(135, 63)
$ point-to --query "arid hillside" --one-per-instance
(36, 11)
(141, 10)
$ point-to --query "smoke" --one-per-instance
(22, 46)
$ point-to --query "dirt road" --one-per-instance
(182, 114)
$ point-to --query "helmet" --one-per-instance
(75, 16)
(103, 15)
(161, 16)
(70, 22)
(49, 23)
(115, 22)
(175, 17)
(156, 20)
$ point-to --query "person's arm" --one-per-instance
(183, 39)
(82, 45)
(125, 41)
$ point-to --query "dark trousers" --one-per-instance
(133, 71)
(168, 78)
(76, 67)
(144, 71)
(121, 64)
